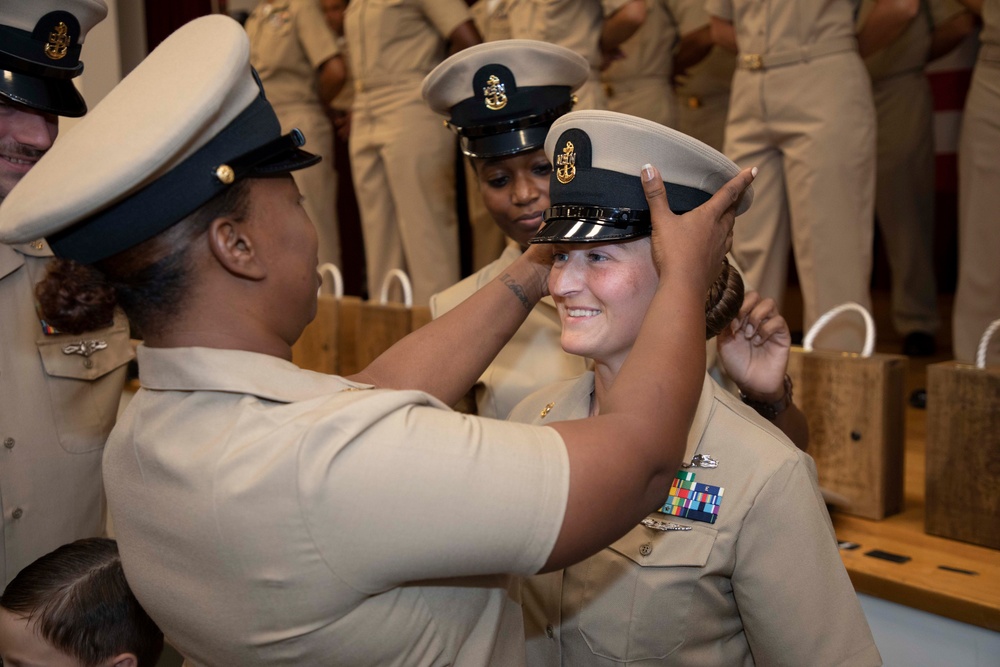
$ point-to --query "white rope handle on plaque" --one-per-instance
(404, 282)
(869, 346)
(984, 343)
(338, 280)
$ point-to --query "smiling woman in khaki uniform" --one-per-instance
(59, 391)
(801, 110)
(402, 158)
(297, 57)
(271, 515)
(742, 570)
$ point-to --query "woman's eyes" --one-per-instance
(498, 182)
(559, 257)
(542, 169)
(595, 257)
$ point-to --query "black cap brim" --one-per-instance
(506, 144)
(586, 231)
(55, 96)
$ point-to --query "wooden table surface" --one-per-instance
(970, 595)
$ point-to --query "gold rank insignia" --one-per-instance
(566, 164)
(495, 93)
(58, 42)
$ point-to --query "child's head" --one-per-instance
(73, 607)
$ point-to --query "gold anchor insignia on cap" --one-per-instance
(495, 93)
(566, 164)
(225, 174)
(85, 348)
(58, 42)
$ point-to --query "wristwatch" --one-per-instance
(770, 411)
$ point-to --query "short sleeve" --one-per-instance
(446, 15)
(721, 8)
(317, 40)
(689, 14)
(424, 493)
(796, 601)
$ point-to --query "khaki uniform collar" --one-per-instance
(234, 371)
(702, 417)
(12, 256)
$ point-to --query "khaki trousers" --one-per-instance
(810, 129)
(403, 162)
(977, 298)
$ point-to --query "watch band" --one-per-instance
(770, 411)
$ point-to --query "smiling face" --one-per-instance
(516, 192)
(25, 135)
(602, 292)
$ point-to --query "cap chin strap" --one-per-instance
(619, 218)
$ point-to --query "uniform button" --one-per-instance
(550, 631)
(646, 549)
(8, 443)
(17, 513)
(88, 363)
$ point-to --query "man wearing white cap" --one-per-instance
(59, 392)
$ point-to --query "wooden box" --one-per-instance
(855, 409)
(963, 453)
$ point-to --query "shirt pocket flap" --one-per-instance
(88, 356)
(647, 547)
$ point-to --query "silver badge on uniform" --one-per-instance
(654, 524)
(85, 348)
(701, 461)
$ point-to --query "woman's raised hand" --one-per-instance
(754, 348)
(692, 245)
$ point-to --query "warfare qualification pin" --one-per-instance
(58, 42)
(566, 164)
(495, 94)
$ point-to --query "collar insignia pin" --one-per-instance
(566, 164)
(546, 410)
(58, 42)
(495, 93)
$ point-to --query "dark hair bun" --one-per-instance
(75, 298)
(724, 300)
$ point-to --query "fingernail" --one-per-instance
(647, 172)
(749, 331)
(753, 172)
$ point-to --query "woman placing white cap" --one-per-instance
(270, 515)
(740, 564)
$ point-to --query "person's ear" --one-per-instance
(123, 660)
(233, 247)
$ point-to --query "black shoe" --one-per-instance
(919, 344)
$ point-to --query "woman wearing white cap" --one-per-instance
(518, 90)
(270, 515)
(740, 564)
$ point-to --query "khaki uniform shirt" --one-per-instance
(764, 584)
(531, 360)
(268, 515)
(491, 19)
(908, 52)
(56, 408)
(289, 41)
(780, 27)
(394, 43)
(574, 24)
(639, 83)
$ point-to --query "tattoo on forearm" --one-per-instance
(518, 291)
